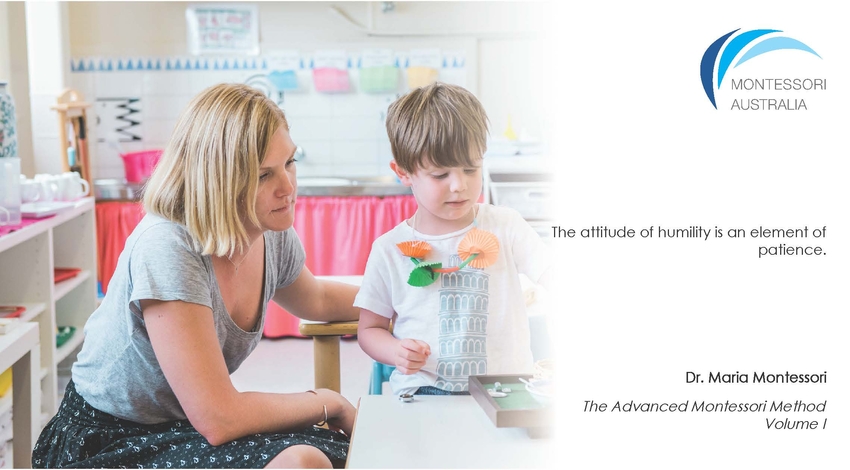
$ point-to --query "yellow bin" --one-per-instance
(5, 381)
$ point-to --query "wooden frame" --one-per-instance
(71, 109)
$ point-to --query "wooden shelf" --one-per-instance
(30, 256)
(13, 344)
(19, 349)
(61, 289)
(9, 454)
(6, 402)
(69, 346)
(32, 310)
(19, 236)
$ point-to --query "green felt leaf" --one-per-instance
(430, 264)
(423, 274)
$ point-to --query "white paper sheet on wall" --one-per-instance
(376, 58)
(284, 60)
(336, 59)
(425, 58)
(223, 28)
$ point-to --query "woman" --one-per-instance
(151, 387)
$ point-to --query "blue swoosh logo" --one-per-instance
(735, 46)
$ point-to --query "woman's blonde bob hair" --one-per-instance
(208, 174)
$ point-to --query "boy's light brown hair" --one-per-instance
(439, 124)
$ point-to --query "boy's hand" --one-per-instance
(411, 355)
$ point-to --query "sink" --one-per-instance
(318, 181)
(354, 186)
(116, 190)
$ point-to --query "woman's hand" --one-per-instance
(410, 355)
(341, 412)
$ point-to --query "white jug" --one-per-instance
(30, 191)
(48, 189)
(71, 186)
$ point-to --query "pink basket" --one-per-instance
(139, 165)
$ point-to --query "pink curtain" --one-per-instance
(337, 234)
(115, 221)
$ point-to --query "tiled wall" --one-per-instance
(137, 102)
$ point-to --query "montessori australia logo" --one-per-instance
(776, 93)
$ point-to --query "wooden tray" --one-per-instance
(518, 410)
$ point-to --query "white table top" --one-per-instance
(439, 432)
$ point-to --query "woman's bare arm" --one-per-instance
(318, 300)
(183, 337)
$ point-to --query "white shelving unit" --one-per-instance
(27, 259)
(525, 183)
(19, 349)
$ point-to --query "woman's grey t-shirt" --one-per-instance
(117, 371)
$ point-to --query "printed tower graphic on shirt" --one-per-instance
(464, 309)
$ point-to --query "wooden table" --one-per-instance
(439, 432)
(19, 349)
(326, 341)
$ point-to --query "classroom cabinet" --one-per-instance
(28, 258)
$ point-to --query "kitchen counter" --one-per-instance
(121, 190)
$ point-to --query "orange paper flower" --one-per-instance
(482, 242)
(414, 249)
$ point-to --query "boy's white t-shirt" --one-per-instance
(475, 319)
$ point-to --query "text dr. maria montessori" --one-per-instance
(755, 377)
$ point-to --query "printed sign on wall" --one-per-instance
(118, 119)
(223, 28)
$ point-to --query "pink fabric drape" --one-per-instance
(337, 234)
(115, 221)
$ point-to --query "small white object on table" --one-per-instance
(326, 337)
(439, 432)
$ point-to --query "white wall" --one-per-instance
(13, 69)
(159, 28)
(48, 55)
(4, 41)
(505, 79)
(501, 41)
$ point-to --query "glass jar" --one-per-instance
(10, 164)
(10, 191)
(8, 135)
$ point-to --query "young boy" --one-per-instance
(466, 315)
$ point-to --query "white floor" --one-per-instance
(286, 366)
